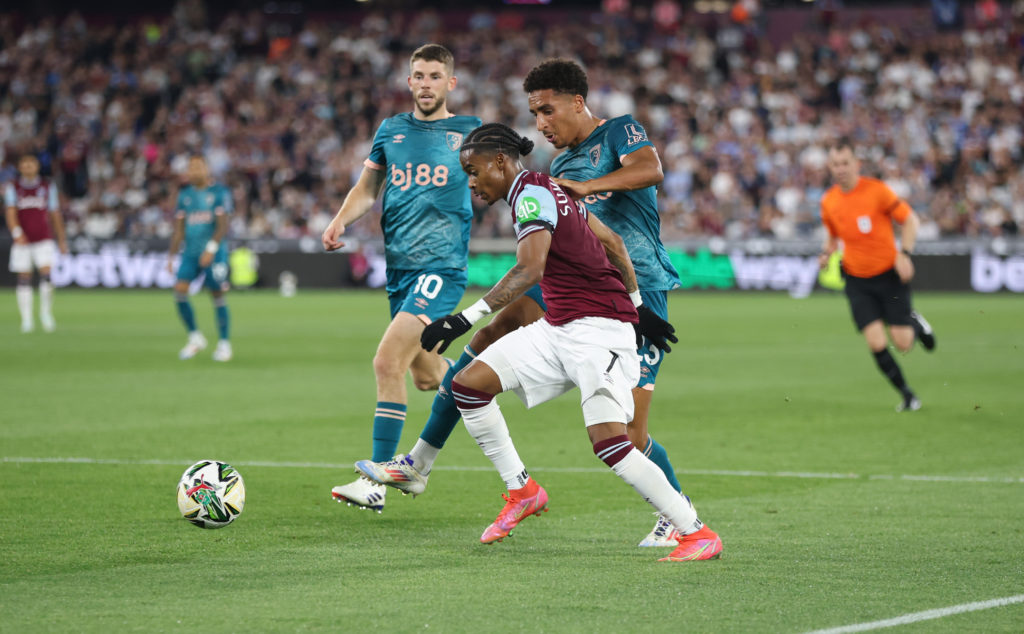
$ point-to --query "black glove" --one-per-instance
(654, 328)
(445, 330)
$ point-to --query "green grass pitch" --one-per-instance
(833, 508)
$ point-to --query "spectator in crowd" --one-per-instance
(284, 110)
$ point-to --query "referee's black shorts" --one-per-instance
(882, 297)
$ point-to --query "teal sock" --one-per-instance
(185, 311)
(387, 429)
(659, 456)
(223, 317)
(444, 414)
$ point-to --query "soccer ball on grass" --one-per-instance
(211, 494)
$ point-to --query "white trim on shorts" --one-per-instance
(40, 255)
(540, 362)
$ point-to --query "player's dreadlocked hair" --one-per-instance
(498, 137)
(560, 75)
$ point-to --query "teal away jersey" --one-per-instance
(633, 215)
(200, 208)
(427, 211)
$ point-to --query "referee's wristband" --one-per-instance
(906, 253)
(635, 297)
(212, 246)
(17, 232)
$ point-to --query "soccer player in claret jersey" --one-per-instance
(426, 219)
(33, 218)
(616, 170)
(860, 211)
(587, 339)
(204, 211)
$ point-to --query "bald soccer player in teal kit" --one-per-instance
(414, 164)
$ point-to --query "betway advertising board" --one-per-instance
(700, 270)
(116, 266)
(798, 274)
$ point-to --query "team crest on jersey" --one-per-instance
(634, 134)
(209, 200)
(527, 209)
(454, 140)
(595, 155)
(864, 224)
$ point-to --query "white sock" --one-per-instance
(24, 294)
(487, 427)
(423, 455)
(650, 482)
(46, 298)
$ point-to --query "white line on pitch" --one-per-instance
(927, 615)
(693, 472)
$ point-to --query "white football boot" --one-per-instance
(364, 493)
(196, 343)
(398, 473)
(48, 322)
(663, 534)
(223, 351)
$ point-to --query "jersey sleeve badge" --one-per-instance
(635, 134)
(528, 208)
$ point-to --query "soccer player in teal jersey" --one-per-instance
(614, 168)
(414, 167)
(203, 212)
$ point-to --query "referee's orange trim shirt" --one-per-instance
(862, 218)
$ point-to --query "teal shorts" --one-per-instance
(431, 292)
(650, 355)
(216, 274)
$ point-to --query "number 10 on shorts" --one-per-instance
(428, 285)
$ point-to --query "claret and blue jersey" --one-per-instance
(632, 214)
(578, 281)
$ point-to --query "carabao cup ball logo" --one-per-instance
(206, 496)
(211, 494)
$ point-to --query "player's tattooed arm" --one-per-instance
(625, 268)
(616, 251)
(531, 256)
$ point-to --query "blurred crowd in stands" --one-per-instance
(284, 109)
